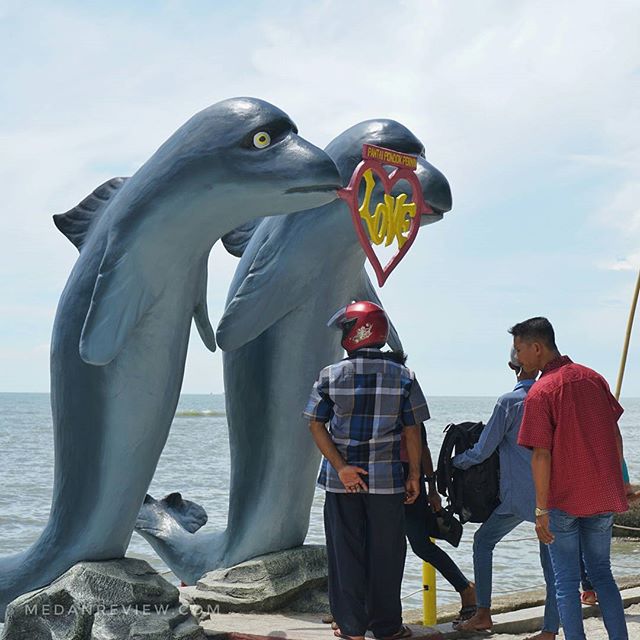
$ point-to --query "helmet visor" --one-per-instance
(337, 318)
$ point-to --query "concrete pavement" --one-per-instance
(512, 624)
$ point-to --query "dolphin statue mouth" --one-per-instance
(320, 188)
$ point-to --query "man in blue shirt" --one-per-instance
(369, 400)
(517, 501)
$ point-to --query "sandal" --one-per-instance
(338, 634)
(473, 633)
(589, 598)
(402, 632)
(465, 613)
(460, 628)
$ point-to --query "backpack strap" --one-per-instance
(445, 474)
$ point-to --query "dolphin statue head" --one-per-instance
(235, 161)
(240, 155)
(346, 151)
(277, 251)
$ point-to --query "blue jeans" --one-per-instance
(484, 541)
(592, 535)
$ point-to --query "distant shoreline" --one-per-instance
(221, 395)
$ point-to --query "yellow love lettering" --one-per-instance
(391, 218)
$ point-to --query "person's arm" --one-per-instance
(617, 410)
(427, 468)
(536, 433)
(414, 447)
(349, 475)
(541, 468)
(620, 446)
(491, 436)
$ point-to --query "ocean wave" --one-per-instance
(200, 413)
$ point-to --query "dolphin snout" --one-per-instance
(315, 170)
(435, 189)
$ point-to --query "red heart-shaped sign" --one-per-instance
(375, 167)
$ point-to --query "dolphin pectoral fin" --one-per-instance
(268, 291)
(236, 241)
(368, 292)
(201, 315)
(201, 318)
(76, 223)
(121, 297)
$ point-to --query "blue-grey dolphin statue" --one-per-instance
(122, 326)
(295, 271)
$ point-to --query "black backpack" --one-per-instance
(472, 493)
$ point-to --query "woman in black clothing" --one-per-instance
(420, 518)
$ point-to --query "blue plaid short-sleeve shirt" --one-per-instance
(367, 401)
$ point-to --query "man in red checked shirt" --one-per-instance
(571, 422)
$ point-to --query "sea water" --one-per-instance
(195, 461)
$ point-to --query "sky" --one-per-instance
(530, 108)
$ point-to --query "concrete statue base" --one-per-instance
(293, 580)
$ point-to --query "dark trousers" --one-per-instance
(418, 525)
(366, 549)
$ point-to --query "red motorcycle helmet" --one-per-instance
(363, 324)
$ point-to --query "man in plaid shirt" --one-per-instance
(368, 399)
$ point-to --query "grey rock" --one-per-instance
(150, 630)
(267, 583)
(110, 600)
(311, 601)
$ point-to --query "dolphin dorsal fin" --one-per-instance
(76, 222)
(236, 241)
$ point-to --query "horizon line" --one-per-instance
(211, 393)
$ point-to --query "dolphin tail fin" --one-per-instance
(236, 241)
(172, 527)
(190, 515)
(76, 223)
(368, 292)
(152, 517)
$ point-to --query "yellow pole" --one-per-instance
(429, 616)
(625, 349)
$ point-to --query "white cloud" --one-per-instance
(517, 102)
(631, 263)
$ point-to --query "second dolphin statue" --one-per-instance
(294, 273)
(122, 326)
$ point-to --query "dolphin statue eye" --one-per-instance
(261, 140)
